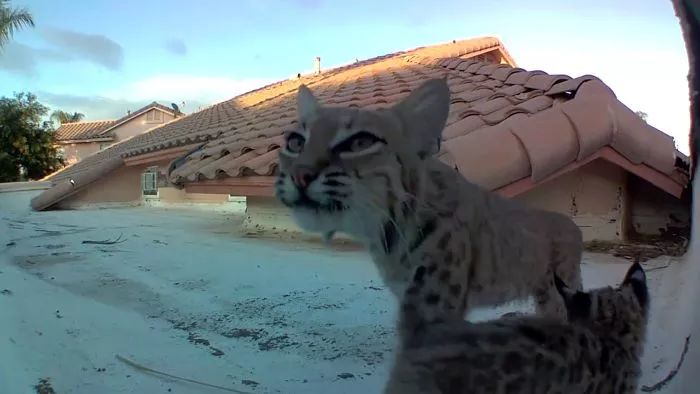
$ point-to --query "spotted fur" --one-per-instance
(441, 243)
(597, 352)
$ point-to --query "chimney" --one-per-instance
(128, 112)
(317, 65)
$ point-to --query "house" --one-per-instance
(78, 140)
(555, 142)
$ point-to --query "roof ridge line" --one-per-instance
(89, 121)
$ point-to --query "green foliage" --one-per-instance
(66, 117)
(11, 20)
(25, 140)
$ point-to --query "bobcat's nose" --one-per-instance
(303, 176)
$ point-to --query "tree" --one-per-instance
(66, 117)
(11, 20)
(642, 115)
(26, 141)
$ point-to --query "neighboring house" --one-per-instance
(555, 142)
(79, 140)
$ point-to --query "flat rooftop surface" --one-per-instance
(182, 292)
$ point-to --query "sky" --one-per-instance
(103, 58)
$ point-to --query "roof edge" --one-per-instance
(67, 187)
(85, 140)
(662, 181)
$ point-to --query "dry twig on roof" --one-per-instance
(106, 242)
(142, 368)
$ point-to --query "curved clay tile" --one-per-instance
(660, 157)
(206, 168)
(463, 127)
(490, 106)
(545, 81)
(550, 140)
(627, 138)
(488, 69)
(465, 64)
(502, 114)
(474, 67)
(510, 90)
(594, 88)
(490, 156)
(536, 104)
(591, 119)
(502, 73)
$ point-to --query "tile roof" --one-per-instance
(240, 113)
(100, 129)
(505, 123)
(77, 131)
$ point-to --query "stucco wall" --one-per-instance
(653, 212)
(138, 125)
(73, 153)
(122, 186)
(593, 196)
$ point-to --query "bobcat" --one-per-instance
(598, 351)
(373, 174)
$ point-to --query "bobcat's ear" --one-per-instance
(307, 104)
(637, 279)
(578, 304)
(424, 114)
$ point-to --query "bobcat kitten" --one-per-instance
(372, 174)
(597, 352)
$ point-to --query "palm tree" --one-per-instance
(11, 20)
(66, 117)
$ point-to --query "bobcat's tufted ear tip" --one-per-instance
(636, 273)
(307, 104)
(424, 113)
(636, 278)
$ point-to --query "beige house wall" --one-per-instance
(139, 125)
(594, 196)
(73, 153)
(121, 187)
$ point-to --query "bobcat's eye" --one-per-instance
(295, 143)
(358, 142)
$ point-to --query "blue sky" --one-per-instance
(103, 57)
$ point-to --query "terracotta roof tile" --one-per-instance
(585, 116)
(505, 124)
(531, 136)
(83, 130)
(499, 159)
(550, 141)
(544, 81)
